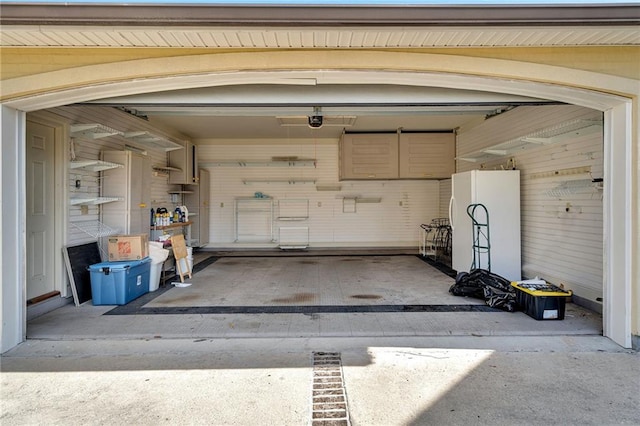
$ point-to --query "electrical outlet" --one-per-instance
(84, 209)
(319, 203)
(221, 205)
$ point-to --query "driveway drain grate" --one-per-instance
(328, 394)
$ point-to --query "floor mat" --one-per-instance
(307, 310)
(313, 285)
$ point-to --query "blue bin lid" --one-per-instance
(116, 266)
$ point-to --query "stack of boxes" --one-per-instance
(125, 276)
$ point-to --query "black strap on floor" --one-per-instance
(132, 309)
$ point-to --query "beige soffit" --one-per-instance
(318, 26)
(277, 38)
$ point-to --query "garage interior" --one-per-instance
(327, 240)
(578, 194)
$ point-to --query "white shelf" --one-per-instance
(94, 228)
(328, 187)
(180, 192)
(368, 200)
(287, 181)
(89, 200)
(166, 168)
(271, 163)
(92, 131)
(153, 141)
(293, 237)
(547, 136)
(572, 187)
(93, 165)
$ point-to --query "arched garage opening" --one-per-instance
(596, 92)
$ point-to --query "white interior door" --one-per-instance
(40, 209)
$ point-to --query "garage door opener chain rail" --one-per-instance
(329, 399)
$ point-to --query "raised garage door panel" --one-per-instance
(369, 156)
(427, 155)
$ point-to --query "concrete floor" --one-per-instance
(409, 368)
(303, 281)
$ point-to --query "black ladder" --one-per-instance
(480, 230)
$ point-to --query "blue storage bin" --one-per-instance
(118, 283)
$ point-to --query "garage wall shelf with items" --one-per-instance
(291, 181)
(86, 178)
(157, 231)
(92, 131)
(163, 171)
(86, 199)
(152, 141)
(274, 162)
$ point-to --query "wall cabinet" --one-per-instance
(397, 155)
(185, 163)
(369, 156)
(426, 155)
(131, 213)
(199, 207)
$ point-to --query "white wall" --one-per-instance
(393, 222)
(445, 196)
(562, 215)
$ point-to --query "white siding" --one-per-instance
(562, 229)
(392, 222)
(445, 196)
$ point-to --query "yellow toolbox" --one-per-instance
(541, 301)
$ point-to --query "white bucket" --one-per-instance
(158, 255)
(154, 275)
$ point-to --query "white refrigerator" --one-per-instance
(499, 192)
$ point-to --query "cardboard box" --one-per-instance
(128, 247)
(118, 283)
(542, 301)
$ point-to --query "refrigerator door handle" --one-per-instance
(451, 221)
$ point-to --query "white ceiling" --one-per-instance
(244, 127)
(258, 111)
